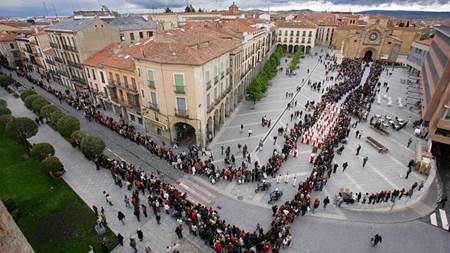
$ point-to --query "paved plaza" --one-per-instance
(238, 204)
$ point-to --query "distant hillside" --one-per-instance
(410, 14)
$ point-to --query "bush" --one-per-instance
(38, 103)
(21, 128)
(27, 93)
(92, 146)
(67, 125)
(4, 119)
(55, 116)
(5, 81)
(29, 100)
(78, 136)
(3, 103)
(4, 110)
(41, 151)
(46, 110)
(51, 164)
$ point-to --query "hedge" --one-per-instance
(46, 110)
(41, 151)
(92, 146)
(67, 125)
(5, 81)
(78, 136)
(4, 110)
(4, 119)
(3, 103)
(38, 103)
(55, 116)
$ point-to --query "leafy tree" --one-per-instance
(200, 10)
(46, 110)
(51, 164)
(41, 151)
(38, 103)
(3, 103)
(4, 110)
(401, 24)
(29, 100)
(115, 14)
(295, 60)
(78, 136)
(92, 146)
(168, 10)
(254, 92)
(55, 116)
(66, 125)
(4, 119)
(5, 81)
(189, 8)
(27, 93)
(21, 129)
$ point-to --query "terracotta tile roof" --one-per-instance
(4, 37)
(426, 42)
(122, 56)
(97, 59)
(297, 24)
(194, 46)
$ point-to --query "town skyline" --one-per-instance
(30, 8)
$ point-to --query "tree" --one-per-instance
(189, 8)
(168, 10)
(4, 110)
(254, 92)
(46, 110)
(77, 137)
(115, 14)
(38, 103)
(67, 125)
(4, 119)
(51, 164)
(41, 151)
(29, 100)
(401, 24)
(21, 129)
(5, 81)
(3, 103)
(55, 116)
(200, 10)
(92, 146)
(27, 93)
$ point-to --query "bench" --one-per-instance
(377, 145)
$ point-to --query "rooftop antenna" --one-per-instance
(54, 9)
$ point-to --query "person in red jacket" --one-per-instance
(217, 246)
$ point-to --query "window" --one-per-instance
(125, 81)
(149, 34)
(102, 77)
(142, 92)
(131, 36)
(133, 83)
(117, 79)
(11, 45)
(122, 37)
(93, 74)
(181, 106)
(141, 35)
(310, 34)
(208, 100)
(179, 83)
(139, 71)
(446, 115)
(151, 79)
(304, 33)
(87, 71)
(154, 100)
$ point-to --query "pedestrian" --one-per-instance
(335, 167)
(409, 142)
(294, 181)
(242, 128)
(144, 210)
(158, 218)
(147, 248)
(104, 247)
(133, 244)
(315, 204)
(250, 131)
(358, 149)
(127, 201)
(365, 160)
(137, 214)
(121, 217)
(326, 201)
(420, 186)
(107, 198)
(179, 231)
(274, 140)
(357, 133)
(140, 235)
(376, 239)
(408, 172)
(344, 166)
(120, 239)
(221, 150)
(95, 210)
(274, 210)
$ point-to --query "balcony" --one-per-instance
(71, 48)
(53, 45)
(181, 113)
(154, 107)
(78, 79)
(208, 85)
(151, 84)
(74, 64)
(133, 100)
(49, 62)
(216, 79)
(63, 73)
(112, 82)
(57, 59)
(179, 89)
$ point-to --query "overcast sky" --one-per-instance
(23, 8)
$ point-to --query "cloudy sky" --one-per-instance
(22, 8)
